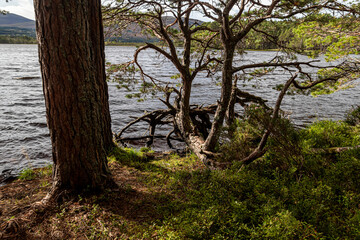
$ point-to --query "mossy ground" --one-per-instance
(280, 196)
(126, 213)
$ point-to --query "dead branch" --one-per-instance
(261, 150)
(243, 97)
(333, 149)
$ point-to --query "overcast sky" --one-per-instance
(24, 8)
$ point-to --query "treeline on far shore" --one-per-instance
(7, 39)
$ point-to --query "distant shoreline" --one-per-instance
(131, 44)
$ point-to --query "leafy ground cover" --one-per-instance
(290, 193)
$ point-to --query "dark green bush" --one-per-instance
(352, 117)
(290, 193)
(326, 134)
(247, 204)
(294, 191)
(246, 134)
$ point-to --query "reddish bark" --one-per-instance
(71, 55)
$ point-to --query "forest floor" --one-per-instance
(124, 213)
(286, 194)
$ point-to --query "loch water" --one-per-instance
(24, 137)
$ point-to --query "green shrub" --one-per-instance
(245, 134)
(46, 171)
(292, 192)
(244, 139)
(27, 174)
(352, 117)
(251, 204)
(126, 155)
(326, 134)
(283, 225)
(354, 224)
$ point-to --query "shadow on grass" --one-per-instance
(174, 198)
(142, 195)
(126, 212)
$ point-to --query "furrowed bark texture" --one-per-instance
(71, 55)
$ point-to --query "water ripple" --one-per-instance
(25, 141)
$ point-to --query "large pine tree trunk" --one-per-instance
(71, 54)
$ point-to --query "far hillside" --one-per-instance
(16, 21)
(13, 28)
(133, 33)
(16, 29)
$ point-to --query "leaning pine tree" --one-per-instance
(212, 47)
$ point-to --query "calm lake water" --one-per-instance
(24, 137)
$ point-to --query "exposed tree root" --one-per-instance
(197, 131)
(199, 115)
(37, 212)
(16, 227)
